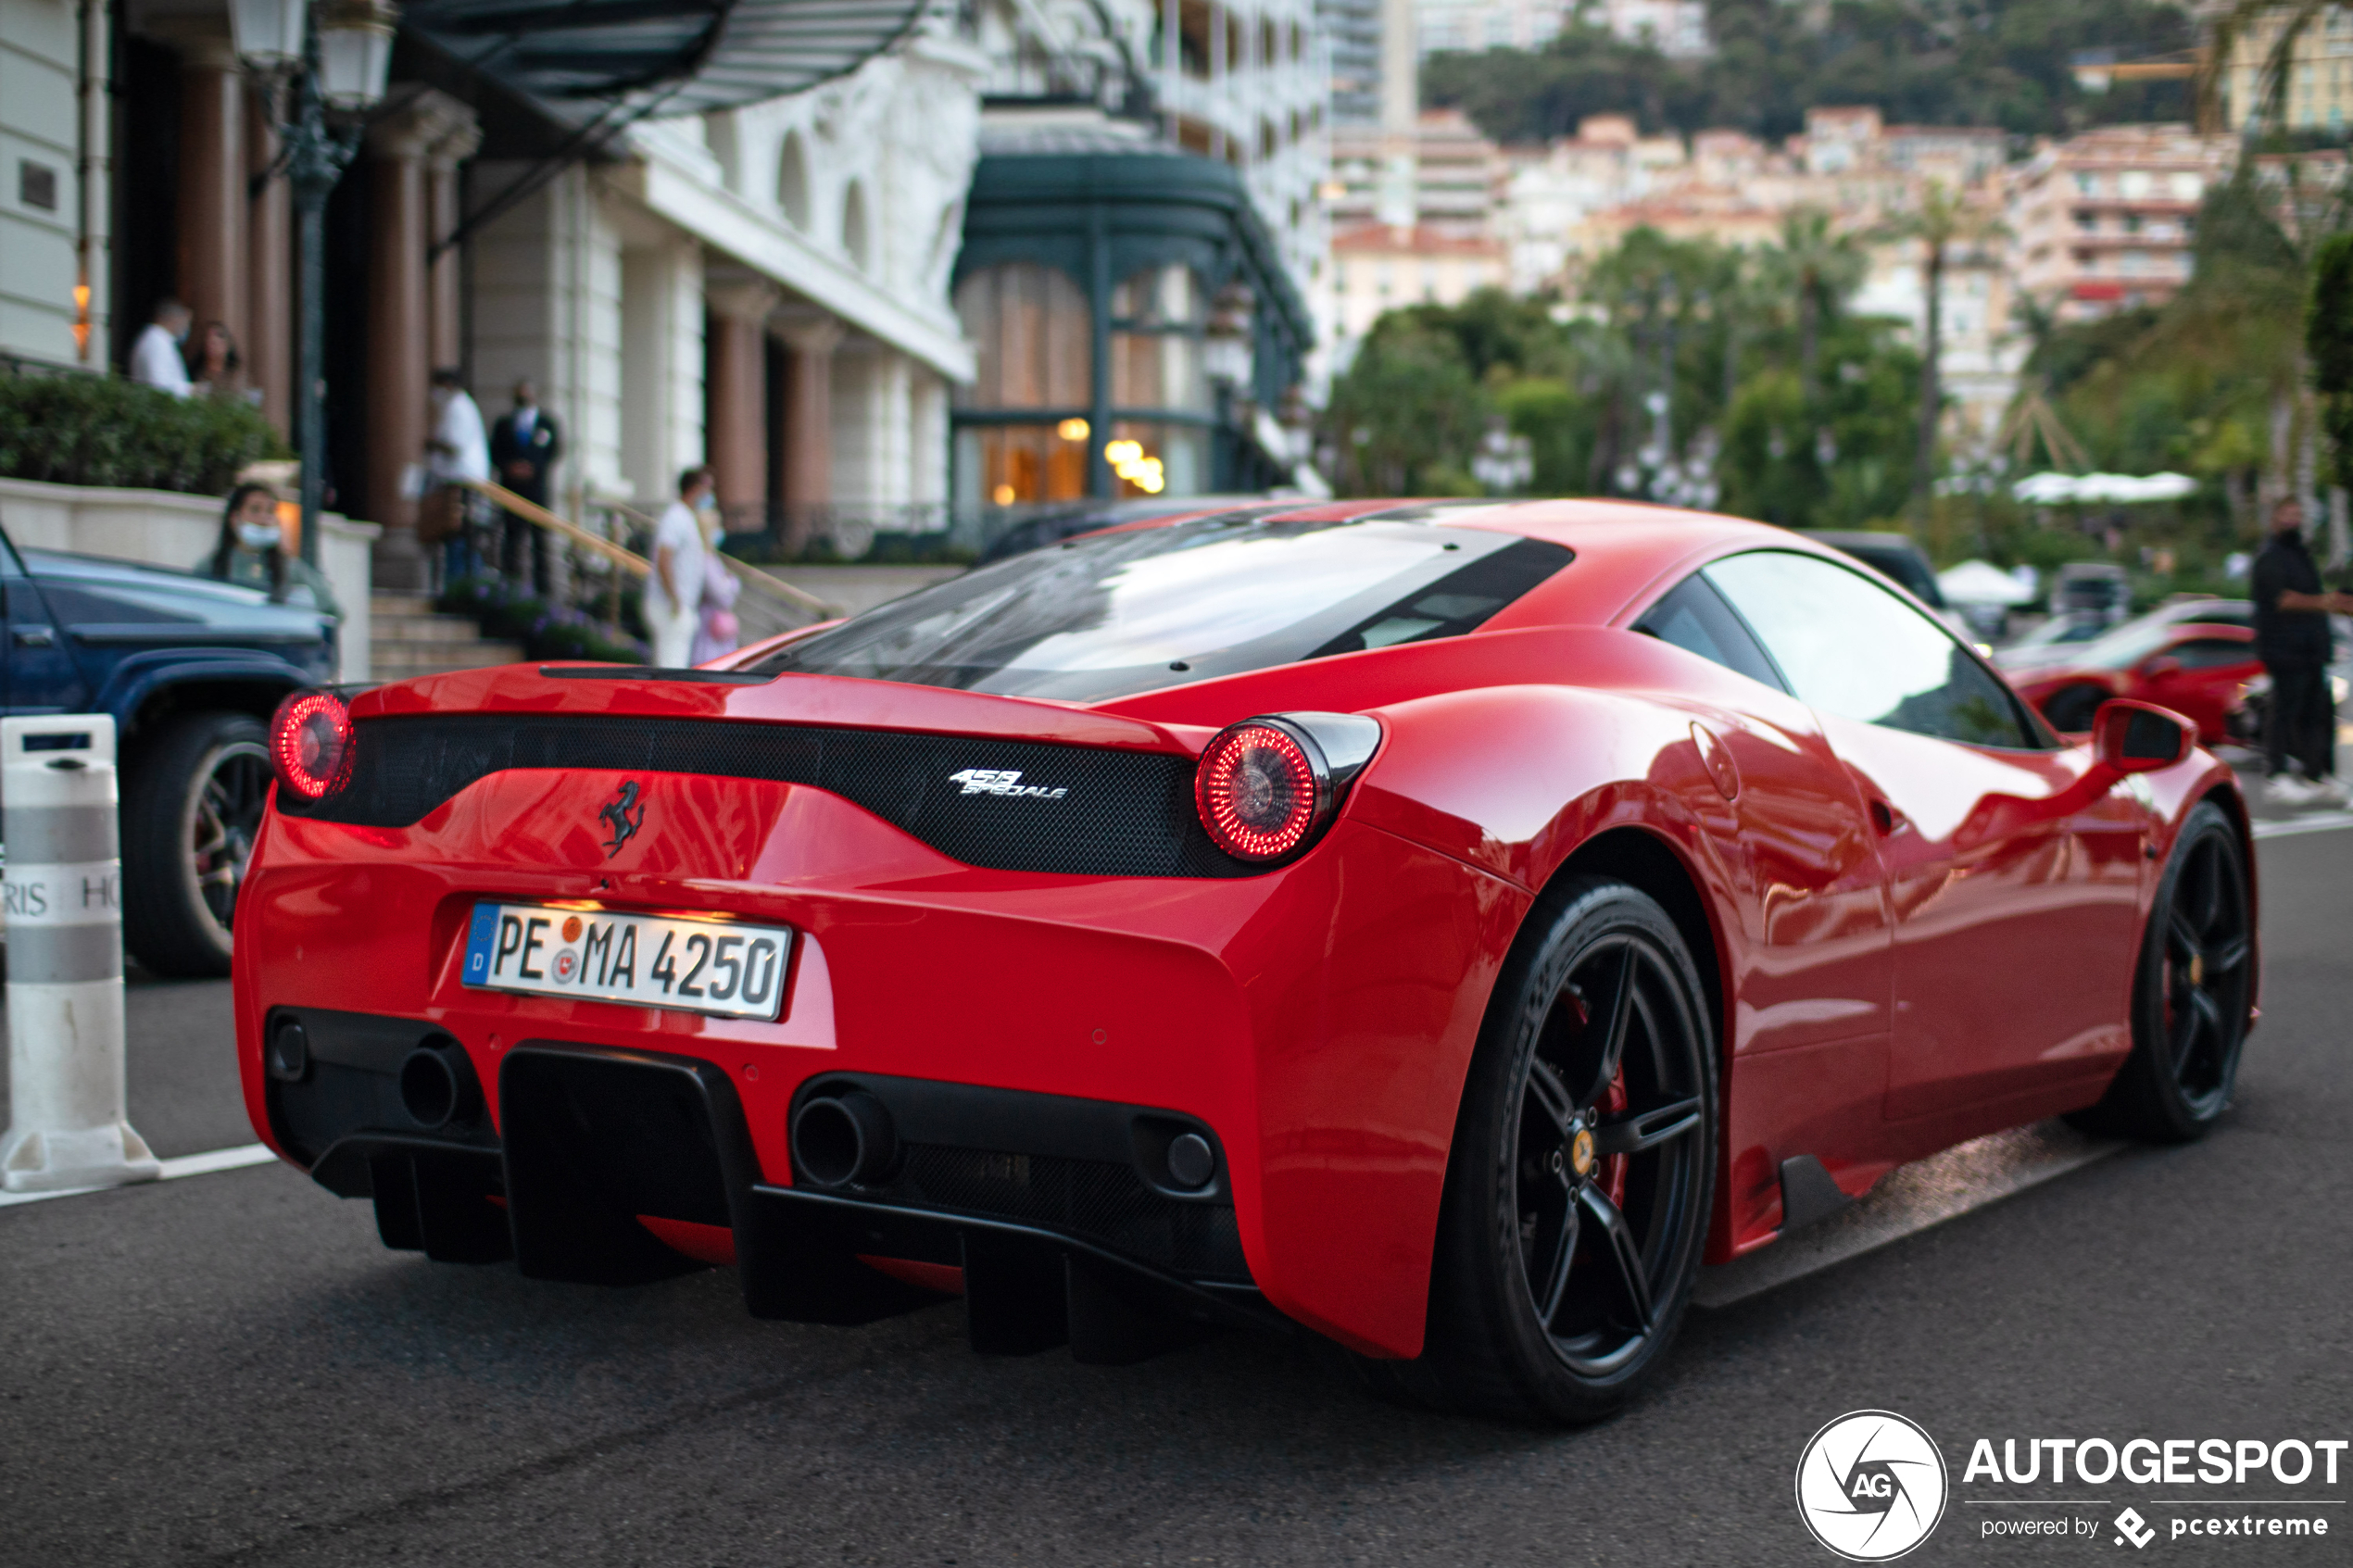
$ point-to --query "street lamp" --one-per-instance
(333, 57)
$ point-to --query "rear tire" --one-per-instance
(2191, 995)
(191, 806)
(1582, 1169)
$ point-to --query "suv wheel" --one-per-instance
(191, 806)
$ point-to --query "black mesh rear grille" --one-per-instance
(1119, 813)
(1104, 1202)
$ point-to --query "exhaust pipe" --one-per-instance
(437, 1085)
(844, 1140)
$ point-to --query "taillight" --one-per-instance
(1263, 786)
(311, 744)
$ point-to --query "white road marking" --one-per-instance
(2318, 822)
(203, 1164)
(1908, 1200)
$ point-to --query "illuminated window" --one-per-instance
(1031, 334)
(1157, 317)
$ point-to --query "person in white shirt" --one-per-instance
(674, 586)
(458, 451)
(156, 359)
(460, 446)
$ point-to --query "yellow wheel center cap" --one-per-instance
(2197, 969)
(1581, 1153)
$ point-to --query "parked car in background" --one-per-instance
(2095, 590)
(2196, 657)
(190, 669)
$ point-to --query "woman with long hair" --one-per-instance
(215, 366)
(251, 551)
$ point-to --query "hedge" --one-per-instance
(546, 631)
(103, 430)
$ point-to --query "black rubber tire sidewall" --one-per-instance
(2145, 1101)
(1485, 1352)
(165, 922)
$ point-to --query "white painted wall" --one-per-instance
(661, 364)
(168, 529)
(39, 57)
(548, 305)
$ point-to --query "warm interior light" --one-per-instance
(1072, 430)
(1130, 462)
(1002, 495)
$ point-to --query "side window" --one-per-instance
(1694, 618)
(2209, 653)
(1852, 649)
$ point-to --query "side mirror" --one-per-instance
(2139, 737)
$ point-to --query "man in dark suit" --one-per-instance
(524, 445)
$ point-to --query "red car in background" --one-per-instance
(2195, 658)
(1439, 927)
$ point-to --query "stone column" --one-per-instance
(270, 302)
(443, 214)
(394, 413)
(809, 422)
(212, 249)
(736, 427)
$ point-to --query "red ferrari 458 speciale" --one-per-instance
(1445, 926)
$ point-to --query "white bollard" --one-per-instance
(67, 1123)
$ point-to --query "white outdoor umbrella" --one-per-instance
(1982, 582)
(2114, 489)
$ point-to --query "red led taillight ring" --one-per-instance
(311, 744)
(1261, 790)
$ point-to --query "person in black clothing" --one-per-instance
(524, 445)
(2293, 639)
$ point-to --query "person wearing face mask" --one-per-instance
(674, 586)
(251, 551)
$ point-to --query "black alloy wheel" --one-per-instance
(1577, 1196)
(2193, 992)
(192, 808)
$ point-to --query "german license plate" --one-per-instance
(711, 966)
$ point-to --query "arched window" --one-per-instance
(853, 226)
(792, 183)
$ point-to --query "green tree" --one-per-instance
(1819, 267)
(1941, 218)
(2328, 343)
(1405, 417)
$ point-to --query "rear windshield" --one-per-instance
(1121, 614)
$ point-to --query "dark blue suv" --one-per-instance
(191, 669)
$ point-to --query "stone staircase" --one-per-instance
(408, 637)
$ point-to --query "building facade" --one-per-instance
(714, 269)
(2105, 220)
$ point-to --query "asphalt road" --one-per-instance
(229, 1369)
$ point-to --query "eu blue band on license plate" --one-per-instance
(724, 968)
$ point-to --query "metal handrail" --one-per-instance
(533, 512)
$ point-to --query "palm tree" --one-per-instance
(1821, 268)
(2240, 20)
(1941, 218)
